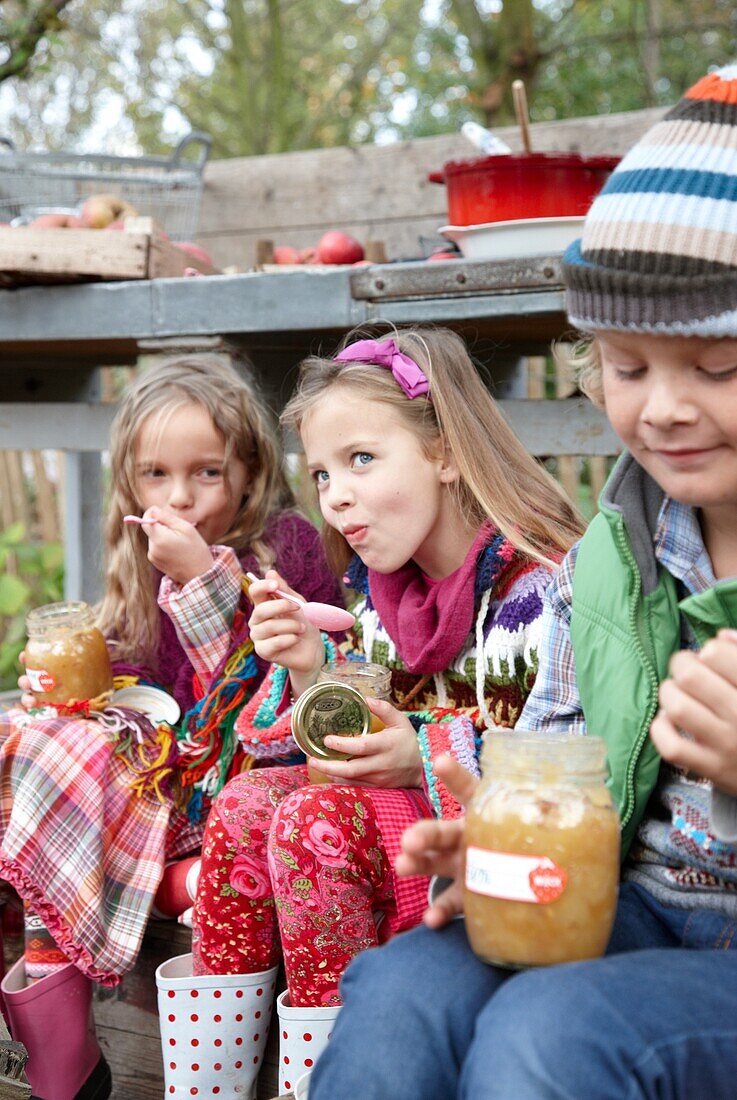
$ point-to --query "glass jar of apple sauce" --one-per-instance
(66, 656)
(541, 851)
(370, 681)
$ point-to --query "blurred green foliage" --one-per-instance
(31, 574)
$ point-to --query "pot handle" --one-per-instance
(436, 177)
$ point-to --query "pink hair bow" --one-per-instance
(385, 353)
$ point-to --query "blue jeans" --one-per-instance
(654, 1019)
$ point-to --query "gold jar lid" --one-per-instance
(329, 708)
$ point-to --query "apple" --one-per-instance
(308, 256)
(117, 224)
(194, 250)
(56, 221)
(335, 247)
(285, 254)
(98, 211)
(443, 256)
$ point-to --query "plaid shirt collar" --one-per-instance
(679, 546)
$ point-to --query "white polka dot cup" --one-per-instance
(303, 1035)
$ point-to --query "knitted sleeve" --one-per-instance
(457, 736)
(264, 726)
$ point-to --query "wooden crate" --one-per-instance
(139, 251)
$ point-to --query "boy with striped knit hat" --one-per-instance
(639, 646)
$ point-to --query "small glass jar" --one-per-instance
(541, 851)
(371, 681)
(66, 656)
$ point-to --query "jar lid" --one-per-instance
(156, 704)
(329, 708)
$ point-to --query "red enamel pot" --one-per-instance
(522, 185)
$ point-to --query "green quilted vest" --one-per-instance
(622, 641)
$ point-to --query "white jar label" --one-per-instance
(512, 877)
(41, 680)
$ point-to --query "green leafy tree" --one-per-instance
(31, 574)
(25, 27)
(266, 76)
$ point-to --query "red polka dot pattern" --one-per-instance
(303, 1033)
(212, 1035)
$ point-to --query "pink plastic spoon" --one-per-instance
(148, 522)
(138, 519)
(322, 615)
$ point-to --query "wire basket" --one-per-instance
(167, 189)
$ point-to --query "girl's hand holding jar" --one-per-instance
(351, 733)
(387, 758)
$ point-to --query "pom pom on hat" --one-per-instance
(659, 246)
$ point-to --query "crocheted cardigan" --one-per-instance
(486, 685)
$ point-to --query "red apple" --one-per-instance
(444, 256)
(117, 224)
(335, 247)
(308, 256)
(194, 250)
(285, 254)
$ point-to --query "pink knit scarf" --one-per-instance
(428, 620)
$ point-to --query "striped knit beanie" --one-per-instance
(659, 246)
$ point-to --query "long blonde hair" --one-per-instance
(499, 480)
(128, 613)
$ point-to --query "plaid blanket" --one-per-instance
(77, 844)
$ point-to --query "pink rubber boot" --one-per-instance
(53, 1019)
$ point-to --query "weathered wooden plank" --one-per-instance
(93, 252)
(140, 251)
(55, 426)
(545, 427)
(570, 426)
(378, 191)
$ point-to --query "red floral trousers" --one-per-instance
(292, 868)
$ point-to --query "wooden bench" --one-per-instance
(13, 1058)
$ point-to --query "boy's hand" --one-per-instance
(175, 546)
(387, 758)
(435, 847)
(281, 634)
(696, 726)
(27, 699)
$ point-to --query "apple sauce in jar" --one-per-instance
(67, 659)
(541, 851)
(351, 719)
